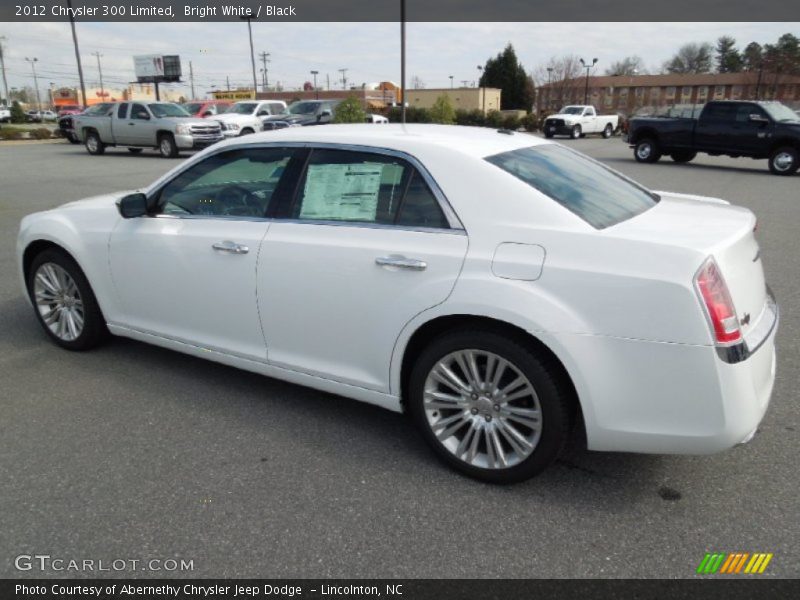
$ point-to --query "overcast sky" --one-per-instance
(370, 51)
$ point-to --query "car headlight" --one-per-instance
(183, 129)
(233, 126)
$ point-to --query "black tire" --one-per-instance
(608, 131)
(94, 330)
(684, 156)
(548, 135)
(134, 150)
(576, 132)
(247, 131)
(94, 145)
(784, 161)
(646, 150)
(167, 146)
(73, 138)
(554, 398)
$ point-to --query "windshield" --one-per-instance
(99, 109)
(303, 108)
(780, 112)
(167, 110)
(572, 110)
(192, 107)
(242, 108)
(592, 191)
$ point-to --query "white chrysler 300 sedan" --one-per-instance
(500, 288)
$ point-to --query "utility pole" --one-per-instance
(451, 82)
(100, 70)
(77, 52)
(33, 62)
(264, 60)
(344, 78)
(228, 82)
(464, 82)
(327, 81)
(316, 91)
(249, 18)
(3, 68)
(191, 79)
(403, 61)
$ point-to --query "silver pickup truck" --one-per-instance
(161, 125)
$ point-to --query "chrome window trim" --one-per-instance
(449, 213)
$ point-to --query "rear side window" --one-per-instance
(720, 112)
(596, 194)
(122, 110)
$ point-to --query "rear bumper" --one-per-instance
(665, 398)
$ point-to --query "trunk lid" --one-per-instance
(712, 227)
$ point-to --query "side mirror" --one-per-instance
(756, 118)
(263, 113)
(208, 113)
(132, 206)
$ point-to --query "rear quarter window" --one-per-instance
(583, 186)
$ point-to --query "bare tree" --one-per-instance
(417, 83)
(630, 65)
(691, 58)
(557, 80)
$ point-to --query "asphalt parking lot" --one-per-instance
(135, 452)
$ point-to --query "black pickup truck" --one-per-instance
(768, 130)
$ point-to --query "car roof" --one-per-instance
(474, 141)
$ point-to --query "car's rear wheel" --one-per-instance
(646, 151)
(167, 146)
(65, 304)
(489, 406)
(134, 150)
(576, 132)
(608, 131)
(683, 156)
(784, 161)
(93, 143)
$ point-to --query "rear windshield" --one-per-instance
(595, 193)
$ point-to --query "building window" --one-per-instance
(670, 96)
(702, 93)
(736, 92)
(655, 94)
(719, 92)
(686, 94)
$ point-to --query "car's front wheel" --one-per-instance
(94, 144)
(64, 302)
(489, 406)
(167, 146)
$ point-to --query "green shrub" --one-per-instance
(472, 118)
(10, 134)
(511, 122)
(531, 122)
(41, 133)
(442, 111)
(17, 114)
(494, 119)
(350, 111)
(413, 115)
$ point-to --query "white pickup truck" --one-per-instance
(246, 117)
(578, 120)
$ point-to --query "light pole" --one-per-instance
(549, 85)
(480, 70)
(249, 18)
(451, 82)
(316, 91)
(33, 62)
(403, 61)
(344, 78)
(587, 67)
(100, 70)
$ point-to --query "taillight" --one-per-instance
(718, 303)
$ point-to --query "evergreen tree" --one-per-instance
(727, 56)
(752, 56)
(505, 72)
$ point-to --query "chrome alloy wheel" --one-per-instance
(58, 301)
(165, 146)
(482, 409)
(644, 150)
(783, 161)
(92, 144)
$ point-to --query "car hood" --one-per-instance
(95, 202)
(232, 118)
(564, 116)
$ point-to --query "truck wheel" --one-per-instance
(134, 150)
(93, 144)
(246, 131)
(167, 146)
(608, 131)
(684, 156)
(576, 132)
(646, 151)
(784, 161)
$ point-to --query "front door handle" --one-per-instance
(231, 247)
(401, 262)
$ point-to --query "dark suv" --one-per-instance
(303, 113)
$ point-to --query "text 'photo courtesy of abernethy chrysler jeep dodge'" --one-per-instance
(502, 289)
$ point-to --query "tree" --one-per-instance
(727, 56)
(691, 58)
(561, 75)
(630, 65)
(417, 83)
(442, 111)
(17, 114)
(350, 111)
(752, 56)
(505, 72)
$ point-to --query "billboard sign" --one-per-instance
(150, 68)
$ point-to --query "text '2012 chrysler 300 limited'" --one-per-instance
(500, 288)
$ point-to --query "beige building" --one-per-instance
(483, 99)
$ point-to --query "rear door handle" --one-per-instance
(401, 262)
(231, 247)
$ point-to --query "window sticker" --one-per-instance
(347, 192)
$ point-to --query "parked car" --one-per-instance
(66, 123)
(33, 116)
(137, 125)
(500, 288)
(244, 118)
(578, 120)
(307, 112)
(206, 108)
(378, 119)
(5, 114)
(732, 127)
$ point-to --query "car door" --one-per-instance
(751, 130)
(714, 127)
(366, 243)
(589, 120)
(188, 272)
(138, 128)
